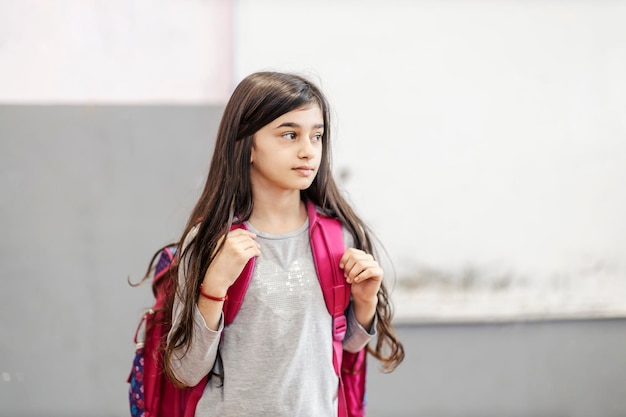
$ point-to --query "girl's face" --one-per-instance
(286, 153)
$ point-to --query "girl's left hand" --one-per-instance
(363, 272)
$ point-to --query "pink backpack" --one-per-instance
(151, 393)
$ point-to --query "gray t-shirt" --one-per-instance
(276, 356)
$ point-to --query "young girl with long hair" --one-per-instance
(271, 157)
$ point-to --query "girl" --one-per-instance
(272, 154)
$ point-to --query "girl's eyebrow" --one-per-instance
(296, 125)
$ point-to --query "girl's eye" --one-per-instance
(289, 135)
(317, 137)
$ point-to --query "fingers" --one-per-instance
(243, 239)
(241, 244)
(359, 266)
(238, 247)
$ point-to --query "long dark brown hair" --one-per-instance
(258, 100)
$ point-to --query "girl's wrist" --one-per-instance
(364, 311)
(212, 296)
(366, 303)
(213, 286)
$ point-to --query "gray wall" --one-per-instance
(87, 193)
(525, 369)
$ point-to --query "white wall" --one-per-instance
(115, 51)
(482, 138)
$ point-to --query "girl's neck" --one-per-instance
(278, 215)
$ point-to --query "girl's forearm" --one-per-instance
(211, 303)
(211, 312)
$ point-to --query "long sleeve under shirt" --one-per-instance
(277, 353)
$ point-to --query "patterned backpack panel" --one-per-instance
(136, 390)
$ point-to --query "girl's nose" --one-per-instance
(306, 150)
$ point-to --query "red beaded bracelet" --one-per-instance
(211, 297)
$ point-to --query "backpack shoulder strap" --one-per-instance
(327, 245)
(326, 234)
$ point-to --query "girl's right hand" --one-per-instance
(239, 247)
